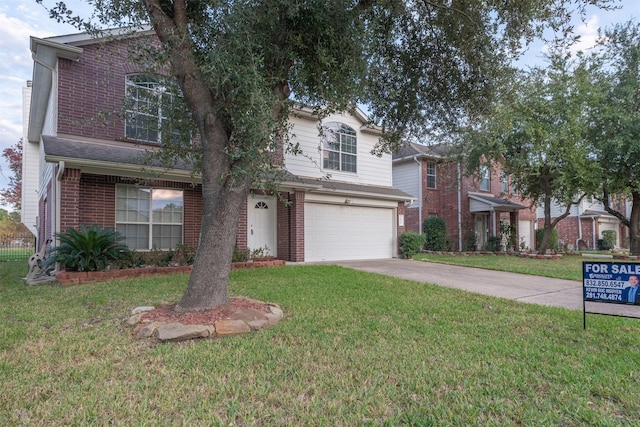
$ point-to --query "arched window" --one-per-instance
(339, 147)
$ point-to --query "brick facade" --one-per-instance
(451, 202)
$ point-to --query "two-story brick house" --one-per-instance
(473, 208)
(81, 166)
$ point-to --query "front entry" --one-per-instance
(261, 224)
(481, 229)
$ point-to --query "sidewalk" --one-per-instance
(514, 286)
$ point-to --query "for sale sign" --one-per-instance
(611, 282)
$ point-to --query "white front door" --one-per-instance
(261, 223)
(525, 233)
(481, 230)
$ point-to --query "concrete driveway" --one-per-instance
(517, 287)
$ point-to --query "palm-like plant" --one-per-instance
(88, 248)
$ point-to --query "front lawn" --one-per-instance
(354, 349)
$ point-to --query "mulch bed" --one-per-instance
(204, 317)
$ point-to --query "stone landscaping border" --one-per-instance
(68, 278)
(242, 321)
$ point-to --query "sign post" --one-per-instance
(609, 282)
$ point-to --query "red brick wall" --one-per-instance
(241, 235)
(443, 202)
(283, 235)
(70, 199)
(296, 222)
(91, 90)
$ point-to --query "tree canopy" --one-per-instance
(614, 119)
(12, 194)
(416, 66)
(538, 135)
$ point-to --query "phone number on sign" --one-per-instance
(603, 296)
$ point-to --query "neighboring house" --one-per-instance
(583, 228)
(473, 208)
(81, 167)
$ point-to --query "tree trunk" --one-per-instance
(209, 280)
(546, 235)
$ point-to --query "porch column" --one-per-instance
(513, 219)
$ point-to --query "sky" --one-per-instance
(20, 19)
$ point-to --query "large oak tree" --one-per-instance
(538, 133)
(414, 65)
(614, 118)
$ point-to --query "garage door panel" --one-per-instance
(341, 232)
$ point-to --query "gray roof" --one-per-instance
(100, 152)
(496, 203)
(436, 151)
(330, 186)
(114, 154)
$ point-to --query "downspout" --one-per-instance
(420, 195)
(459, 208)
(55, 187)
(579, 232)
(593, 232)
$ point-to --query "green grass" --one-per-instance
(567, 267)
(354, 349)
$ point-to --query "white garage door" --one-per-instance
(341, 232)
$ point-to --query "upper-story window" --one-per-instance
(431, 175)
(485, 178)
(504, 183)
(339, 147)
(147, 107)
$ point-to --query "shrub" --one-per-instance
(494, 243)
(184, 254)
(608, 239)
(240, 255)
(553, 240)
(411, 243)
(88, 248)
(435, 230)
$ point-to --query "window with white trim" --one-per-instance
(485, 178)
(147, 107)
(339, 147)
(504, 183)
(431, 174)
(149, 218)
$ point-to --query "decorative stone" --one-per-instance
(230, 327)
(256, 325)
(180, 332)
(135, 319)
(142, 309)
(277, 311)
(147, 330)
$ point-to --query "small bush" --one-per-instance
(184, 254)
(494, 244)
(88, 248)
(411, 243)
(435, 231)
(553, 241)
(240, 255)
(609, 239)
